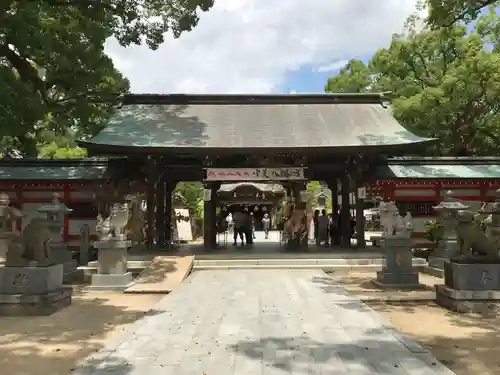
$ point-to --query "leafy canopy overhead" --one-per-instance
(54, 73)
(445, 84)
(446, 13)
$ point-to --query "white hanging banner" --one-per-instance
(362, 193)
(207, 195)
(255, 174)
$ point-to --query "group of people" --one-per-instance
(325, 228)
(242, 225)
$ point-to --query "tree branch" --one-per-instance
(82, 3)
(474, 9)
(25, 69)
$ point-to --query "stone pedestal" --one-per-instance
(446, 250)
(398, 271)
(32, 290)
(112, 272)
(4, 245)
(62, 255)
(470, 287)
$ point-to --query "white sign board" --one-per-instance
(207, 195)
(255, 174)
(362, 193)
(184, 232)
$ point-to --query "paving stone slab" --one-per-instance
(236, 322)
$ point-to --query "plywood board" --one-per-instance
(162, 275)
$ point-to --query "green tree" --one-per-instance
(54, 74)
(190, 195)
(313, 189)
(444, 83)
(354, 77)
(52, 151)
(446, 13)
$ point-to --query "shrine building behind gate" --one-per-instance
(155, 141)
(335, 138)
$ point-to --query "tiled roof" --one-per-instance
(440, 168)
(253, 121)
(74, 169)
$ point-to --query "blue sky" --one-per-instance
(305, 80)
(262, 46)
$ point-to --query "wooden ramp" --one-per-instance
(162, 275)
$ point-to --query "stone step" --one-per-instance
(136, 267)
(343, 268)
(130, 263)
(296, 263)
(433, 271)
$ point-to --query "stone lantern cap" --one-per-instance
(4, 199)
(450, 203)
(7, 212)
(4, 205)
(55, 207)
(492, 207)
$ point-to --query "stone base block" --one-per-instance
(70, 271)
(472, 276)
(388, 280)
(112, 281)
(30, 280)
(437, 262)
(436, 272)
(35, 304)
(468, 301)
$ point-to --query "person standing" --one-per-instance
(266, 225)
(322, 229)
(230, 223)
(316, 224)
(252, 225)
(239, 227)
(247, 226)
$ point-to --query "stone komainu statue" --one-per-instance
(32, 246)
(471, 237)
(135, 224)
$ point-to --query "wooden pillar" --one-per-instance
(345, 225)
(333, 186)
(210, 217)
(160, 212)
(169, 188)
(150, 213)
(152, 177)
(360, 218)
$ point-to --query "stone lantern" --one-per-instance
(448, 246)
(8, 215)
(54, 213)
(112, 249)
(492, 222)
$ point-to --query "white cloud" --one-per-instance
(249, 45)
(333, 66)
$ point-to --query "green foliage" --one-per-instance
(444, 84)
(280, 217)
(313, 188)
(446, 13)
(54, 74)
(190, 196)
(52, 151)
(354, 77)
(434, 231)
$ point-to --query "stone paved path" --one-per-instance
(253, 322)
